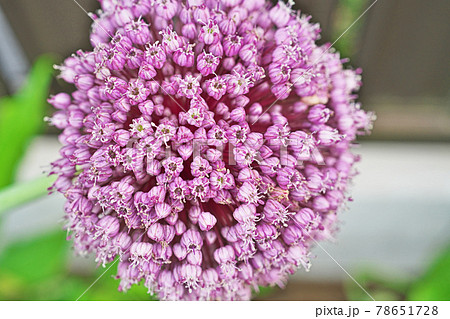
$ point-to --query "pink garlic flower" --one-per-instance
(206, 145)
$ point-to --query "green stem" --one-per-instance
(21, 193)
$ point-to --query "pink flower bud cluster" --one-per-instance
(206, 145)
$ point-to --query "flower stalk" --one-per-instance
(19, 194)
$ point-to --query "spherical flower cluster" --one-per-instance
(207, 144)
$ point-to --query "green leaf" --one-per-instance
(36, 269)
(434, 285)
(37, 259)
(21, 117)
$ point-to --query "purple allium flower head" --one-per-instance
(206, 145)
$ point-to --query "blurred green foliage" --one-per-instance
(346, 12)
(39, 269)
(386, 287)
(21, 117)
(433, 285)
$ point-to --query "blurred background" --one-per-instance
(394, 238)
